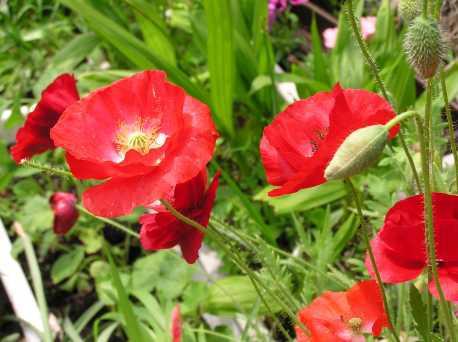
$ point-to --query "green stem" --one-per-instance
(424, 137)
(366, 234)
(36, 281)
(401, 117)
(425, 9)
(451, 129)
(214, 235)
(375, 72)
(108, 221)
(47, 168)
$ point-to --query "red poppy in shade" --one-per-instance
(142, 135)
(176, 324)
(33, 138)
(301, 141)
(344, 316)
(161, 230)
(65, 212)
(400, 249)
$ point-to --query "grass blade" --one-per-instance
(221, 63)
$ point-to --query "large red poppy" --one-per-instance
(344, 316)
(161, 230)
(142, 135)
(301, 141)
(33, 138)
(400, 249)
(65, 212)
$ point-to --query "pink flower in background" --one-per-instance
(367, 30)
(330, 37)
(276, 7)
(368, 26)
(176, 324)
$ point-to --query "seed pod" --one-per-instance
(409, 9)
(449, 23)
(423, 46)
(359, 151)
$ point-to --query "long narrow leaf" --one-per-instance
(133, 329)
(221, 62)
(130, 46)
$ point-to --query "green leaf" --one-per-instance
(67, 59)
(305, 199)
(66, 265)
(419, 312)
(131, 47)
(344, 234)
(36, 214)
(132, 325)
(221, 63)
(320, 63)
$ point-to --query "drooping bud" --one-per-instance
(448, 23)
(360, 150)
(409, 9)
(423, 46)
(65, 212)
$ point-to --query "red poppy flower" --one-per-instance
(344, 316)
(33, 138)
(176, 324)
(65, 212)
(161, 230)
(301, 141)
(400, 249)
(142, 135)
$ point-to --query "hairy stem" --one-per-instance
(451, 129)
(426, 161)
(375, 72)
(366, 234)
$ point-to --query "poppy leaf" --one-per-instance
(419, 312)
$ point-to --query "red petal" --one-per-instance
(119, 196)
(176, 324)
(366, 302)
(351, 109)
(33, 138)
(448, 278)
(160, 231)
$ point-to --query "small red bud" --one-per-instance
(65, 212)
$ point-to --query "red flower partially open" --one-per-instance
(301, 141)
(400, 249)
(344, 316)
(33, 138)
(161, 230)
(65, 212)
(142, 135)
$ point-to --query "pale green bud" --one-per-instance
(361, 149)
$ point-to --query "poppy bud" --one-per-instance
(409, 9)
(423, 46)
(358, 151)
(176, 324)
(65, 212)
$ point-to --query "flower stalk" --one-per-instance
(426, 161)
(375, 72)
(451, 129)
(366, 234)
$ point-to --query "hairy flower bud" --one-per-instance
(409, 9)
(423, 46)
(359, 151)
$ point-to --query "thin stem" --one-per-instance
(47, 168)
(375, 72)
(214, 235)
(451, 129)
(401, 117)
(108, 221)
(424, 137)
(36, 281)
(425, 9)
(366, 233)
(318, 10)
